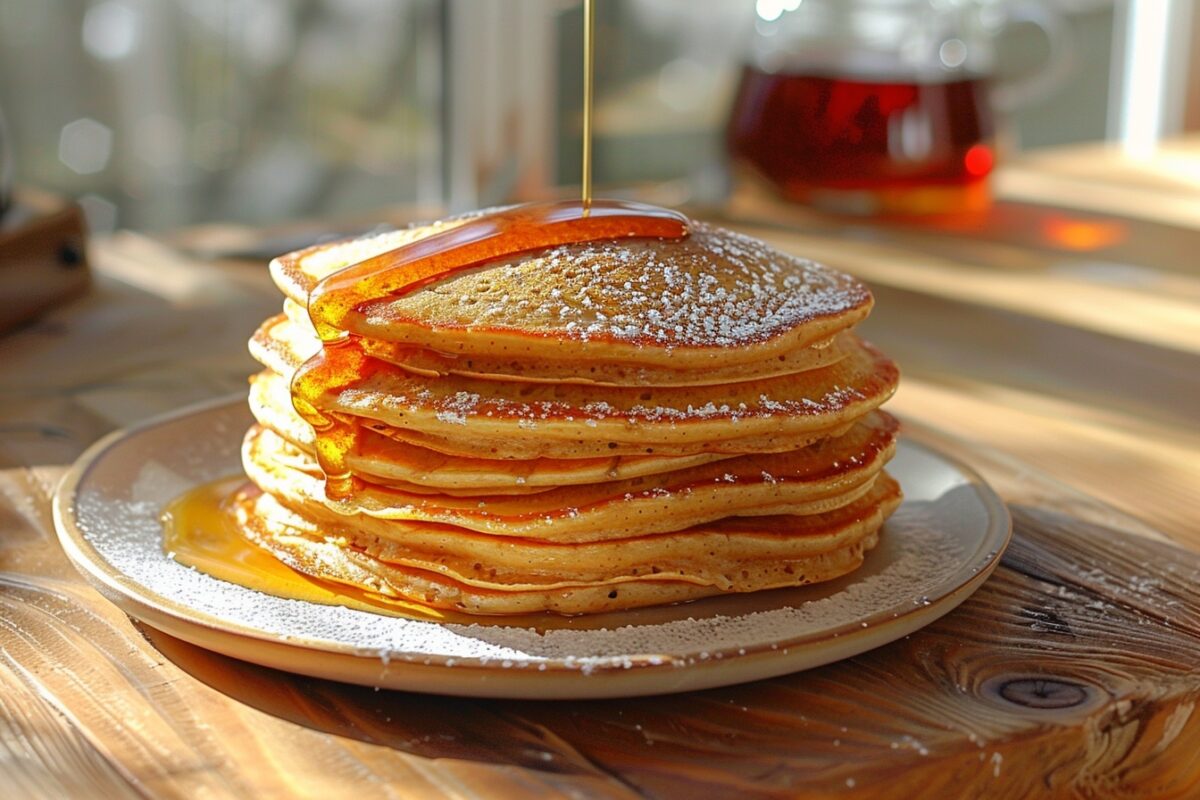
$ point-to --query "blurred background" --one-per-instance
(161, 113)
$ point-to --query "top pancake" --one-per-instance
(716, 297)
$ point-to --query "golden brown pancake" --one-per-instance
(388, 459)
(475, 417)
(516, 576)
(289, 339)
(572, 421)
(815, 479)
(585, 428)
(714, 298)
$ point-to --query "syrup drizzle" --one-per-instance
(493, 237)
(502, 234)
(589, 45)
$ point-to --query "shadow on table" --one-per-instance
(1045, 642)
(430, 726)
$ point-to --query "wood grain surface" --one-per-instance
(1072, 673)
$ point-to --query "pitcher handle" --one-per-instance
(1013, 93)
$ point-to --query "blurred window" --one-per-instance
(159, 113)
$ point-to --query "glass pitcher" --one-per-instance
(880, 106)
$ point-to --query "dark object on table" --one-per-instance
(43, 255)
(6, 169)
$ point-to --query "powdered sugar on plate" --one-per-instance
(941, 536)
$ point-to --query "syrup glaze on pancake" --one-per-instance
(342, 295)
(389, 460)
(475, 417)
(573, 421)
(715, 297)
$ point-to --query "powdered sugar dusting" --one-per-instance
(930, 545)
(715, 288)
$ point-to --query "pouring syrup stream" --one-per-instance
(589, 43)
(336, 303)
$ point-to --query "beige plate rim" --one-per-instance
(545, 678)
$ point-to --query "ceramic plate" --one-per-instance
(936, 550)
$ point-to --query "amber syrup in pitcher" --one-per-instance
(865, 144)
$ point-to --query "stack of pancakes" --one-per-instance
(589, 428)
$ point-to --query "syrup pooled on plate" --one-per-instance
(491, 237)
(200, 532)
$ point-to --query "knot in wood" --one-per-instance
(1043, 693)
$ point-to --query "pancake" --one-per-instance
(812, 480)
(388, 459)
(517, 577)
(495, 447)
(290, 338)
(529, 420)
(575, 429)
(567, 420)
(714, 298)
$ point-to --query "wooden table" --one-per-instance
(1055, 345)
